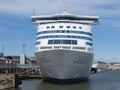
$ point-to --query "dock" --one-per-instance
(23, 77)
(9, 81)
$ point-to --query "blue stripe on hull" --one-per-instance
(65, 81)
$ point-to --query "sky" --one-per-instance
(17, 29)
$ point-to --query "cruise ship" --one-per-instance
(63, 47)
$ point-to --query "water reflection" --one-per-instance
(99, 81)
(19, 88)
(50, 86)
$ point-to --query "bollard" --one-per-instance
(17, 81)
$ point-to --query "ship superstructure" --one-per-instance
(64, 49)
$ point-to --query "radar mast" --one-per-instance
(65, 6)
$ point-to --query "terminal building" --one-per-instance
(114, 66)
(100, 65)
(104, 66)
(11, 64)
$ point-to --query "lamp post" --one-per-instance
(24, 45)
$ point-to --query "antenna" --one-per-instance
(24, 45)
(33, 11)
(65, 5)
(3, 49)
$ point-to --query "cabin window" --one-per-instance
(52, 26)
(60, 26)
(74, 27)
(67, 26)
(48, 27)
(80, 27)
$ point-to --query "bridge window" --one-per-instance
(73, 42)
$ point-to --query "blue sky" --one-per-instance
(16, 27)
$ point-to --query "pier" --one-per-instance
(12, 72)
(27, 70)
(9, 81)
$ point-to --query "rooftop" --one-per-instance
(65, 16)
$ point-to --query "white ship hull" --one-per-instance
(64, 65)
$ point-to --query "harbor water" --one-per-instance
(108, 80)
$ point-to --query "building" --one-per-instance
(11, 64)
(100, 65)
(114, 66)
(1, 54)
(8, 65)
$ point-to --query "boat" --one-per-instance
(63, 47)
(94, 68)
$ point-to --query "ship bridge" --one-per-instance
(65, 17)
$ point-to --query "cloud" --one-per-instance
(92, 7)
(107, 10)
(3, 27)
(23, 7)
(103, 8)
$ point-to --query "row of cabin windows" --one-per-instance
(64, 36)
(89, 44)
(64, 47)
(74, 27)
(73, 42)
(65, 31)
